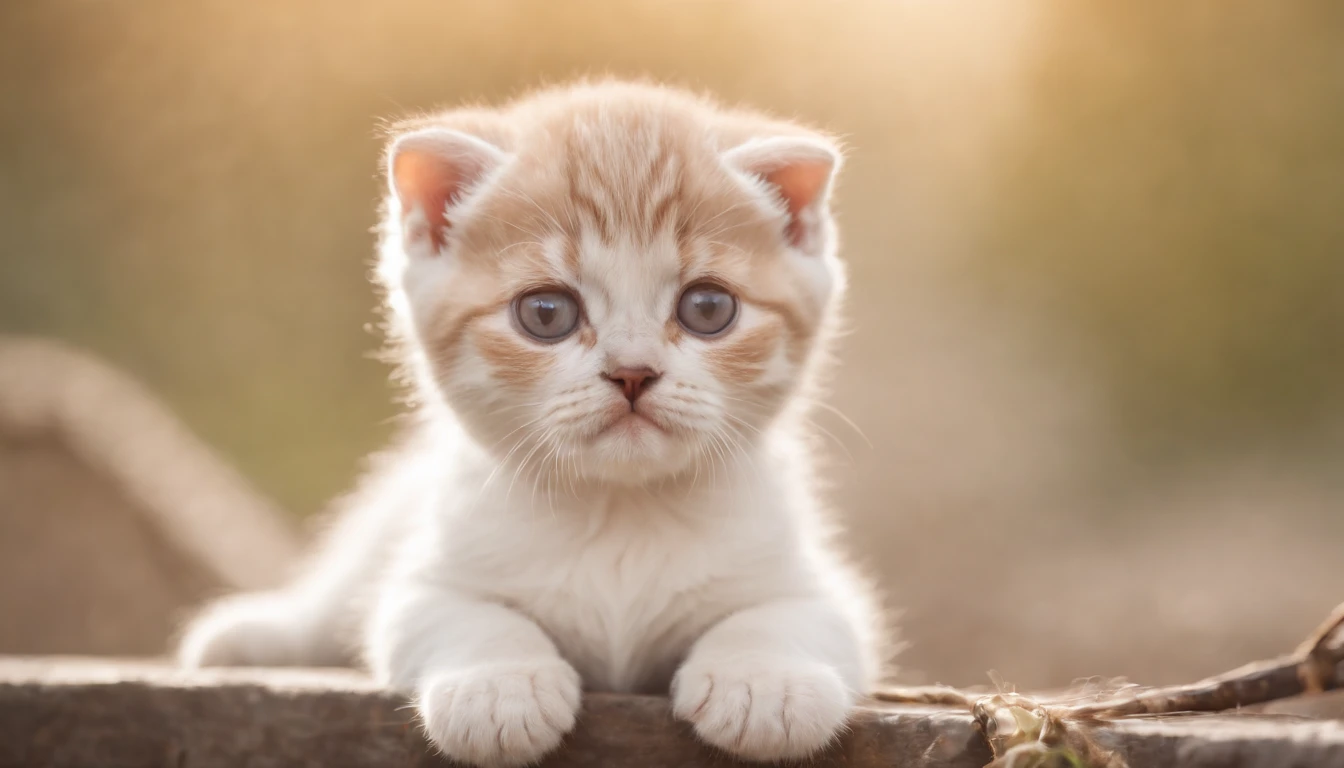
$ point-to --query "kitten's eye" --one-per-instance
(547, 315)
(706, 310)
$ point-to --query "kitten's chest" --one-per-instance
(623, 619)
(624, 603)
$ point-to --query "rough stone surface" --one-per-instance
(72, 712)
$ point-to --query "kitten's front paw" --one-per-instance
(762, 707)
(501, 714)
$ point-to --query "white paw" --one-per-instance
(762, 707)
(501, 714)
(243, 631)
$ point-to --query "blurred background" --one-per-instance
(1096, 366)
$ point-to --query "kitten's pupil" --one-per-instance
(711, 305)
(706, 305)
(545, 311)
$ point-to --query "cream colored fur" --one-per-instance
(538, 535)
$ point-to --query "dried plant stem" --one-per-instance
(1023, 732)
(1313, 668)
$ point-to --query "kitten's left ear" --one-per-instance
(799, 170)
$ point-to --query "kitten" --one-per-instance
(612, 299)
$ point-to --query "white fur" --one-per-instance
(493, 592)
(501, 597)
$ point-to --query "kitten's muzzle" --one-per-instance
(633, 381)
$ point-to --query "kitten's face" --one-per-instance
(623, 301)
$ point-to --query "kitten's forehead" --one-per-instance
(623, 170)
(628, 278)
(623, 211)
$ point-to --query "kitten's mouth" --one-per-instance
(631, 422)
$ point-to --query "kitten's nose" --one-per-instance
(633, 380)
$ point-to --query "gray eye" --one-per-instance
(706, 310)
(547, 315)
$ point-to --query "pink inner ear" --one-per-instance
(800, 184)
(427, 181)
(430, 169)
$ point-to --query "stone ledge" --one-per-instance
(78, 712)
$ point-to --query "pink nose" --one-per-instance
(633, 380)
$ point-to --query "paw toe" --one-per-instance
(501, 714)
(764, 709)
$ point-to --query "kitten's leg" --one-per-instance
(489, 685)
(255, 629)
(314, 620)
(772, 682)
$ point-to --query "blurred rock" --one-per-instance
(114, 519)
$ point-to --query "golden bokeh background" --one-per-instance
(1096, 367)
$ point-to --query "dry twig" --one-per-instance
(1026, 732)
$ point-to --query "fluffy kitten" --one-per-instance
(611, 299)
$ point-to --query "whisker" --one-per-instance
(840, 415)
(524, 197)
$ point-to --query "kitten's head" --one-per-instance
(620, 282)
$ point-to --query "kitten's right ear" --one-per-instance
(431, 169)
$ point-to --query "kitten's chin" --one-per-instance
(635, 450)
